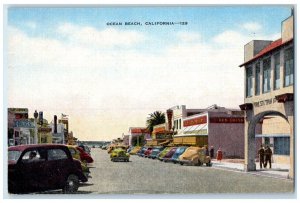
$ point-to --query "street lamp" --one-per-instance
(35, 140)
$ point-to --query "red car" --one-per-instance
(148, 152)
(84, 156)
(43, 167)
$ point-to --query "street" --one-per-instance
(147, 176)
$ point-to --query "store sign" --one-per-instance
(226, 120)
(265, 102)
(159, 129)
(23, 124)
(18, 110)
(195, 121)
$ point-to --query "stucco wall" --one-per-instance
(228, 136)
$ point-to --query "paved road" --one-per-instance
(147, 176)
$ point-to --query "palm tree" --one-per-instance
(155, 118)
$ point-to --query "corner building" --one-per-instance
(269, 96)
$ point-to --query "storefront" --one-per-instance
(19, 126)
(138, 136)
(224, 128)
(160, 136)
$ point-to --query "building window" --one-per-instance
(277, 72)
(257, 79)
(179, 123)
(249, 85)
(288, 67)
(266, 75)
(282, 145)
(267, 141)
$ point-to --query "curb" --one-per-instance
(257, 173)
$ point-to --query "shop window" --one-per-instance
(288, 67)
(277, 72)
(257, 79)
(267, 141)
(249, 82)
(266, 75)
(282, 145)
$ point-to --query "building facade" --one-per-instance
(269, 96)
(138, 136)
(213, 126)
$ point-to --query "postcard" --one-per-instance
(155, 101)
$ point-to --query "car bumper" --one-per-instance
(188, 162)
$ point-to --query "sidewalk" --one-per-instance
(277, 170)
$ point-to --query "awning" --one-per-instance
(196, 130)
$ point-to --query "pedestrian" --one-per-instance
(261, 155)
(268, 156)
(212, 152)
(219, 154)
(206, 151)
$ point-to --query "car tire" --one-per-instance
(72, 184)
(181, 163)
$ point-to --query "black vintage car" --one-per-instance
(44, 167)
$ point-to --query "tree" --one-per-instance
(155, 118)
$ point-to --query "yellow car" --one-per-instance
(195, 156)
(135, 150)
(119, 154)
(115, 146)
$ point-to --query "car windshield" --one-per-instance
(13, 155)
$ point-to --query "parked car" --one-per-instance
(43, 167)
(204, 159)
(76, 155)
(85, 148)
(142, 151)
(163, 153)
(119, 154)
(155, 152)
(85, 157)
(169, 155)
(194, 156)
(148, 152)
(178, 152)
(135, 150)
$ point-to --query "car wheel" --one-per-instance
(181, 164)
(71, 184)
(199, 163)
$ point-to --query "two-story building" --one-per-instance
(269, 96)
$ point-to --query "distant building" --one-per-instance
(269, 96)
(19, 126)
(138, 136)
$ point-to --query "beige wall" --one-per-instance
(275, 125)
(287, 31)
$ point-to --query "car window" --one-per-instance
(31, 156)
(13, 155)
(72, 151)
(56, 154)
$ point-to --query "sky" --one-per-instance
(108, 78)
